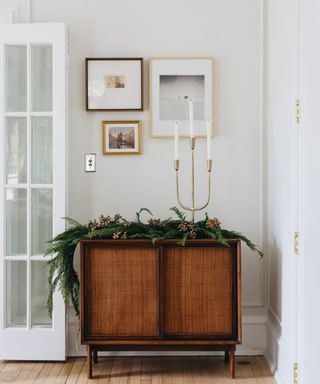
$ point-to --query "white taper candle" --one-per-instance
(191, 118)
(208, 139)
(176, 141)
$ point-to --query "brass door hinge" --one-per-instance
(298, 111)
(297, 242)
(295, 373)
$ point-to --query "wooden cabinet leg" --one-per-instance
(226, 356)
(95, 356)
(89, 361)
(232, 363)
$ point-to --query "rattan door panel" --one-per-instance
(198, 292)
(122, 292)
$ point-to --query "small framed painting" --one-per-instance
(173, 83)
(114, 84)
(121, 137)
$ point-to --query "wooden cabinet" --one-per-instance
(140, 296)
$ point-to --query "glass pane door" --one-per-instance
(28, 188)
(32, 104)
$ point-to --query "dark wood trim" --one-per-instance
(161, 294)
(239, 293)
(232, 362)
(173, 347)
(87, 59)
(148, 243)
(165, 342)
(89, 361)
(82, 292)
(235, 325)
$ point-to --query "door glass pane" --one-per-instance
(16, 222)
(41, 78)
(16, 76)
(16, 151)
(39, 294)
(42, 150)
(16, 293)
(41, 220)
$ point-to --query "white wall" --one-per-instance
(231, 32)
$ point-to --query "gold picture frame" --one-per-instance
(121, 137)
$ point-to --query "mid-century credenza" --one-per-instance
(136, 295)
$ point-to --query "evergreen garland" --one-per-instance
(62, 275)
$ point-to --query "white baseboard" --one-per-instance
(277, 352)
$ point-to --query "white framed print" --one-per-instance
(114, 84)
(121, 137)
(173, 83)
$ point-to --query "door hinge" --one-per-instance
(298, 116)
(297, 242)
(295, 373)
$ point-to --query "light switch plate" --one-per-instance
(90, 162)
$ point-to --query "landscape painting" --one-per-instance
(121, 137)
(176, 91)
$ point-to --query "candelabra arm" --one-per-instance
(209, 194)
(178, 195)
(193, 209)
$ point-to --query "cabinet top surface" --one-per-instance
(173, 242)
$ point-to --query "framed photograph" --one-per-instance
(114, 84)
(121, 137)
(173, 83)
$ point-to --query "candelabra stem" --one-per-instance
(193, 209)
(193, 191)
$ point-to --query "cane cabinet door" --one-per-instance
(199, 292)
(121, 297)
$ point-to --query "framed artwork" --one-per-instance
(121, 137)
(114, 84)
(173, 83)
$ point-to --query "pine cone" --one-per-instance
(117, 235)
(117, 217)
(104, 220)
(93, 225)
(213, 223)
(184, 226)
(154, 222)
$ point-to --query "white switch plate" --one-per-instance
(90, 162)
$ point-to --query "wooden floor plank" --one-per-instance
(245, 370)
(65, 371)
(82, 378)
(135, 377)
(139, 370)
(105, 369)
(75, 371)
(33, 373)
(44, 373)
(10, 372)
(54, 373)
(263, 372)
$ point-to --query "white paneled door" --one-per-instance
(32, 186)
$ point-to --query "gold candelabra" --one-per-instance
(193, 208)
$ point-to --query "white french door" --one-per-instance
(32, 186)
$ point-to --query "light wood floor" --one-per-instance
(139, 370)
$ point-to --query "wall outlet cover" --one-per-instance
(90, 162)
